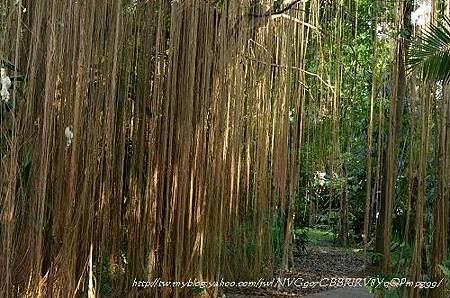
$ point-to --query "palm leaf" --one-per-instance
(431, 51)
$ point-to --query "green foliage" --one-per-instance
(431, 51)
(301, 239)
(105, 287)
(317, 237)
(374, 256)
(445, 267)
(277, 238)
(219, 4)
(108, 271)
(317, 153)
(401, 255)
(198, 291)
(381, 291)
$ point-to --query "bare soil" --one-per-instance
(316, 263)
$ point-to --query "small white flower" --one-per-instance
(69, 136)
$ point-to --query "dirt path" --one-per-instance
(317, 264)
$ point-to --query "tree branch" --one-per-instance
(254, 21)
(275, 12)
(288, 17)
(294, 68)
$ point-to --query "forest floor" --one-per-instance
(313, 265)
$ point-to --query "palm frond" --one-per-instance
(431, 51)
